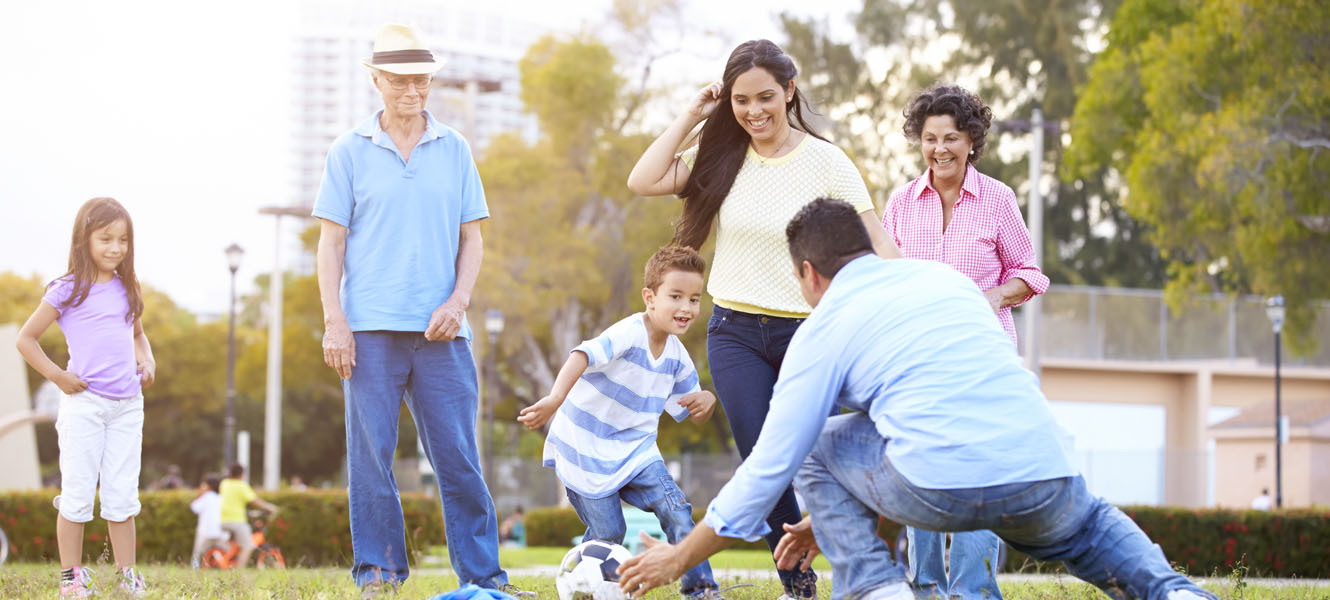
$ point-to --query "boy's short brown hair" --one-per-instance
(672, 258)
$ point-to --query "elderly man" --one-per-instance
(399, 251)
(952, 434)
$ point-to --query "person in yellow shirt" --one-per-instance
(236, 497)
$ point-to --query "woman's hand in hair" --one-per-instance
(705, 101)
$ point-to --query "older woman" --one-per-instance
(970, 221)
(756, 164)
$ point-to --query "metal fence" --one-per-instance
(1097, 323)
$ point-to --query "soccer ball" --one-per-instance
(588, 572)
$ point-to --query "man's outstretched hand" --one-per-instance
(797, 546)
(649, 570)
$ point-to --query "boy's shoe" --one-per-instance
(515, 591)
(708, 594)
(804, 585)
(131, 582)
(81, 586)
(1185, 595)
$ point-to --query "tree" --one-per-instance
(1017, 55)
(1218, 115)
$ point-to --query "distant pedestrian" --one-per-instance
(1262, 502)
(170, 481)
(208, 506)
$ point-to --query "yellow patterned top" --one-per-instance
(752, 271)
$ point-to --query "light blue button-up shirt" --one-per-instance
(403, 220)
(916, 346)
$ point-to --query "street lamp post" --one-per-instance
(494, 327)
(1274, 308)
(233, 255)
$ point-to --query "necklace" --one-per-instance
(789, 131)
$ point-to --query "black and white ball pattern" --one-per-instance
(588, 571)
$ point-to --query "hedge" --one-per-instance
(311, 528)
(1288, 543)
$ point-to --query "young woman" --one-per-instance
(756, 164)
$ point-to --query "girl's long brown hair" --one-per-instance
(93, 215)
(723, 142)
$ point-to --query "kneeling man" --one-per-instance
(951, 434)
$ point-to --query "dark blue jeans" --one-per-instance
(744, 352)
(438, 382)
(654, 491)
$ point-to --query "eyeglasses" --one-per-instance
(400, 83)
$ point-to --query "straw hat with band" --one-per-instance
(398, 49)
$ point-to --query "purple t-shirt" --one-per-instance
(101, 341)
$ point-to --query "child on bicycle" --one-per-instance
(208, 506)
(98, 305)
(236, 496)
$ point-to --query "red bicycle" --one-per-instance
(266, 556)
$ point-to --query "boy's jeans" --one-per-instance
(438, 381)
(652, 490)
(973, 572)
(847, 482)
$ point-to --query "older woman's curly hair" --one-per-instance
(971, 114)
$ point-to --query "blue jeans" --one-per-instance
(847, 482)
(438, 382)
(654, 491)
(974, 557)
(744, 352)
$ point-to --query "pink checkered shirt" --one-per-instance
(986, 239)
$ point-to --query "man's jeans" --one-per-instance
(974, 556)
(847, 482)
(438, 382)
(745, 352)
(654, 491)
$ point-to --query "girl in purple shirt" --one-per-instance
(99, 307)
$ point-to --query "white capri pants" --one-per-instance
(100, 439)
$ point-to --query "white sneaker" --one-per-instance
(1185, 595)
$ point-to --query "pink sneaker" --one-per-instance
(81, 586)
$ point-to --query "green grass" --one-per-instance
(27, 580)
(517, 558)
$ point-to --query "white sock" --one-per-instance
(1184, 595)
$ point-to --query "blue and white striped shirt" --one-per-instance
(605, 431)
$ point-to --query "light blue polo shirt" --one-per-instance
(403, 220)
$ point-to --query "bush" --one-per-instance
(312, 527)
(1288, 543)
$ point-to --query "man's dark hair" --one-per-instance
(827, 233)
(237, 471)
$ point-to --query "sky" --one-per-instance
(179, 110)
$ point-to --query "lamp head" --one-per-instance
(233, 255)
(1274, 309)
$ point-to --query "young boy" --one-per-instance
(208, 506)
(602, 442)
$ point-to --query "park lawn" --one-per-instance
(536, 556)
(29, 580)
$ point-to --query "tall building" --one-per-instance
(477, 92)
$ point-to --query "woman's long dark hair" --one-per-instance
(93, 215)
(724, 142)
